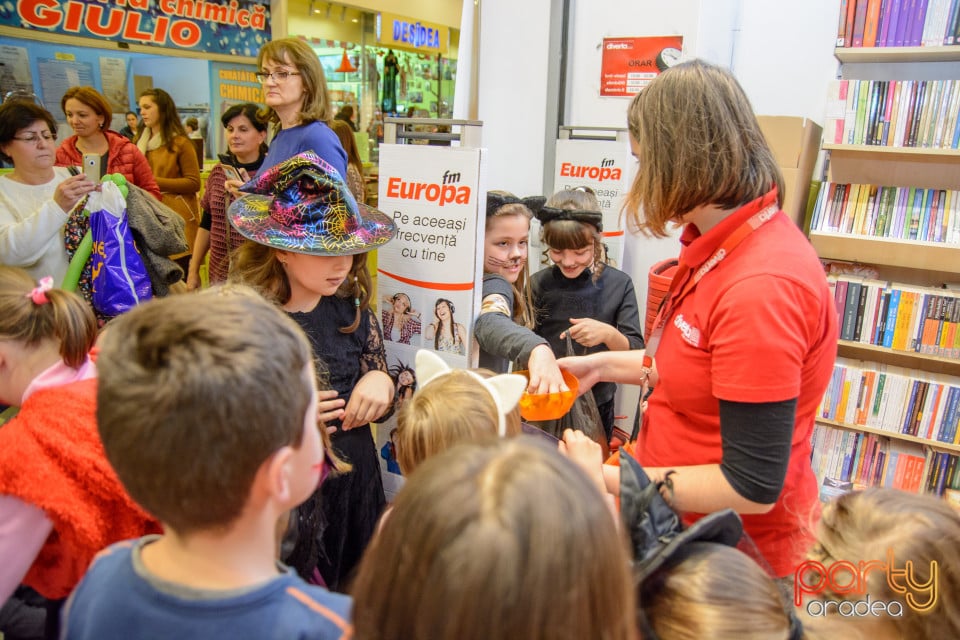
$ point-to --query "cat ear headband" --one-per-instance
(506, 389)
(497, 200)
(548, 214)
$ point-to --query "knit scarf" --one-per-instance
(146, 143)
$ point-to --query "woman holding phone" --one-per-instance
(246, 149)
(36, 197)
(89, 115)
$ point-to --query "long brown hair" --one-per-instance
(496, 539)
(699, 144)
(170, 125)
(257, 265)
(349, 142)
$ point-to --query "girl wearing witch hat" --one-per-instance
(306, 250)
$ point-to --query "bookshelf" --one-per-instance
(915, 256)
(897, 54)
(939, 446)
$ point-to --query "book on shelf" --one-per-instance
(893, 113)
(893, 399)
(895, 213)
(898, 23)
(846, 460)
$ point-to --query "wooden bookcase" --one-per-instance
(926, 264)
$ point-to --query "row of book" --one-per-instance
(897, 213)
(895, 399)
(848, 460)
(893, 113)
(898, 316)
(898, 23)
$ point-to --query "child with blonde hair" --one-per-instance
(452, 406)
(918, 534)
(496, 539)
(504, 329)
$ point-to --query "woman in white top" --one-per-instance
(35, 197)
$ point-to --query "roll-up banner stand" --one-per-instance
(598, 158)
(429, 276)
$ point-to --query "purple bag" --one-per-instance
(120, 281)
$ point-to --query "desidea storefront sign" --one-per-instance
(601, 165)
(429, 276)
(412, 34)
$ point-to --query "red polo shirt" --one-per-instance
(758, 327)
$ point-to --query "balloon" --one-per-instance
(80, 257)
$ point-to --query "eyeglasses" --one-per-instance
(34, 137)
(276, 76)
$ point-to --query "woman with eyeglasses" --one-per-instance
(171, 155)
(36, 197)
(89, 115)
(295, 92)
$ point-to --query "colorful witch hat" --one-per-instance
(304, 206)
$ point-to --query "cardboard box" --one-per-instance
(795, 143)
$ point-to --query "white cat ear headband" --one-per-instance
(506, 388)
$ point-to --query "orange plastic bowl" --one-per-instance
(549, 406)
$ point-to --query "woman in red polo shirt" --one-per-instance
(746, 342)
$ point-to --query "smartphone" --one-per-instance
(232, 173)
(91, 166)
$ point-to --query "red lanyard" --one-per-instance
(689, 283)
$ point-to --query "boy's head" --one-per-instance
(453, 406)
(196, 396)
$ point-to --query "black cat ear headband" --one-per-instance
(549, 214)
(497, 200)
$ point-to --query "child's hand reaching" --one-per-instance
(586, 454)
(545, 376)
(371, 398)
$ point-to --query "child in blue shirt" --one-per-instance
(212, 428)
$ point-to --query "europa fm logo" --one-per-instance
(448, 190)
(844, 578)
(606, 171)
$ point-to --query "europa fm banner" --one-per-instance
(228, 27)
(601, 165)
(429, 276)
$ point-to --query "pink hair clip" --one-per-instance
(39, 293)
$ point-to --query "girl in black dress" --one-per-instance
(306, 250)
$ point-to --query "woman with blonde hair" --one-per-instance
(89, 114)
(298, 105)
(500, 539)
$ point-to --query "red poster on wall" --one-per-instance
(629, 64)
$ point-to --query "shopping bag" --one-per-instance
(583, 416)
(120, 280)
